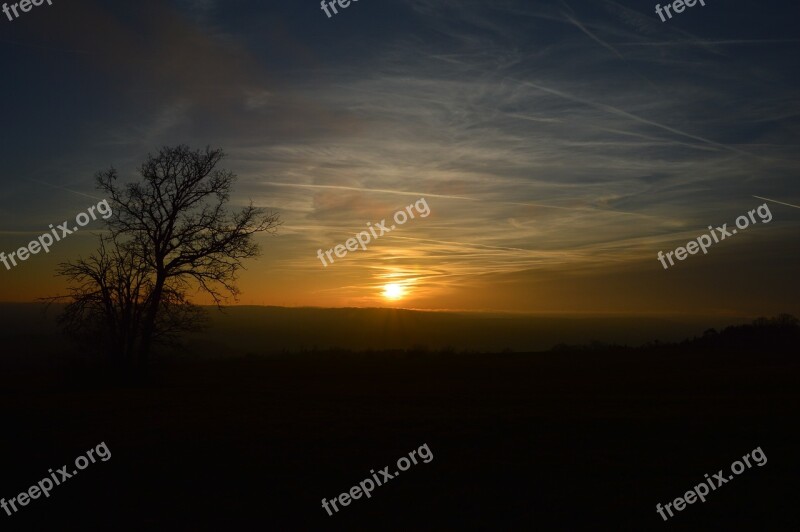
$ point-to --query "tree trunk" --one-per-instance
(149, 324)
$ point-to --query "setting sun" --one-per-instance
(393, 291)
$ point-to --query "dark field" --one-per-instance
(574, 439)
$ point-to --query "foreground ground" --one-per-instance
(570, 440)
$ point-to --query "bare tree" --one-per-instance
(108, 295)
(170, 232)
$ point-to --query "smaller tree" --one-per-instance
(108, 295)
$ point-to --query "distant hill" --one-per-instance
(264, 329)
(241, 330)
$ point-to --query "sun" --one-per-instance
(393, 291)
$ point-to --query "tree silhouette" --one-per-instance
(170, 233)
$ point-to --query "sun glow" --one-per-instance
(393, 291)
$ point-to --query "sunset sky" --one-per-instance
(559, 145)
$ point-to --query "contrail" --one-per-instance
(700, 43)
(445, 196)
(465, 244)
(775, 201)
(592, 36)
(626, 114)
(357, 189)
(62, 188)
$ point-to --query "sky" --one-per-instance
(559, 145)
